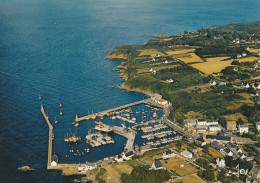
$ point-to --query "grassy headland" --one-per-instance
(180, 67)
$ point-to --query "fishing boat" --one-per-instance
(72, 138)
(60, 106)
(56, 121)
(39, 97)
(61, 113)
(76, 124)
(102, 127)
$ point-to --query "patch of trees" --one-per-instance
(143, 174)
(207, 174)
(220, 50)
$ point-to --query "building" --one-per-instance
(223, 139)
(227, 152)
(212, 82)
(161, 101)
(255, 173)
(157, 165)
(214, 129)
(201, 128)
(186, 154)
(201, 122)
(243, 128)
(128, 156)
(119, 158)
(91, 166)
(81, 167)
(54, 163)
(191, 122)
(231, 125)
(170, 80)
(220, 162)
(215, 74)
(257, 126)
(212, 123)
(217, 145)
(168, 154)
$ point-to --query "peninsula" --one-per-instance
(211, 78)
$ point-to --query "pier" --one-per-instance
(102, 113)
(130, 135)
(50, 136)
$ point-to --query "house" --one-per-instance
(201, 122)
(119, 158)
(231, 125)
(251, 158)
(243, 128)
(81, 167)
(201, 141)
(222, 84)
(255, 173)
(151, 70)
(166, 62)
(154, 72)
(227, 152)
(128, 156)
(257, 126)
(215, 74)
(256, 86)
(186, 154)
(168, 154)
(157, 165)
(241, 140)
(170, 80)
(217, 145)
(157, 56)
(250, 180)
(214, 129)
(153, 59)
(190, 122)
(91, 166)
(212, 82)
(54, 163)
(218, 138)
(201, 128)
(212, 123)
(243, 54)
(235, 150)
(235, 69)
(162, 102)
(195, 151)
(220, 162)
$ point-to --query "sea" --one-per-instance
(55, 49)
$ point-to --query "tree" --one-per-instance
(240, 121)
(208, 174)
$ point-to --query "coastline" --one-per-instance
(128, 89)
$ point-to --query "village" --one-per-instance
(209, 95)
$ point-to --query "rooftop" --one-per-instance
(231, 122)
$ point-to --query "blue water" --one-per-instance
(56, 49)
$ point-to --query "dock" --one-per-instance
(102, 113)
(50, 136)
(129, 135)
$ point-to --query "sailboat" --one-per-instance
(61, 113)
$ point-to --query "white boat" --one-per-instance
(102, 127)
